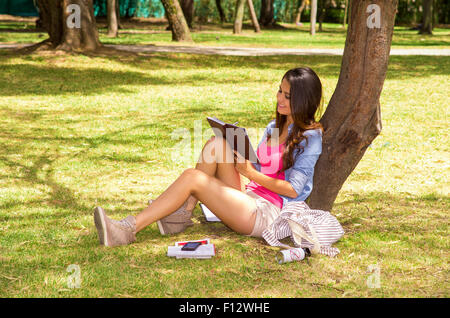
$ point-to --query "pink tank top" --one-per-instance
(271, 162)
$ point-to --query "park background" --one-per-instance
(81, 130)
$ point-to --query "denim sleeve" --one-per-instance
(303, 168)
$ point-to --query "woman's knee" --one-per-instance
(195, 177)
(222, 151)
(208, 154)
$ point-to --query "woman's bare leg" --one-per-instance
(232, 206)
(216, 160)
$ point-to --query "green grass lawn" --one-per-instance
(333, 36)
(78, 131)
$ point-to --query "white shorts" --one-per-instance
(266, 213)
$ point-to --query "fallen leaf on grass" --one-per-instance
(11, 277)
(392, 242)
(124, 295)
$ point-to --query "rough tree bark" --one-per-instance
(177, 21)
(238, 16)
(58, 22)
(427, 17)
(113, 26)
(353, 119)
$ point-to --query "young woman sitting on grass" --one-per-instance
(288, 152)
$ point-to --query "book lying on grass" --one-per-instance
(210, 217)
(236, 137)
(204, 251)
(203, 242)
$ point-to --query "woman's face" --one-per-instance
(283, 98)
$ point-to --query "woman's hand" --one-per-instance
(242, 165)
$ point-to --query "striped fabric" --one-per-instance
(314, 229)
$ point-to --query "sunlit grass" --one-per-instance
(79, 131)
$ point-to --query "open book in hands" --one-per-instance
(236, 137)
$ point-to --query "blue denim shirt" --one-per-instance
(301, 174)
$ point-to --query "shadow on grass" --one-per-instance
(45, 79)
(40, 171)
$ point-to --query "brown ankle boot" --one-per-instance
(114, 233)
(176, 222)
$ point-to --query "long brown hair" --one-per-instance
(306, 102)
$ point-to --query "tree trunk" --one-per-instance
(239, 16)
(353, 119)
(119, 25)
(299, 12)
(313, 16)
(188, 10)
(427, 17)
(266, 13)
(69, 30)
(324, 5)
(221, 13)
(113, 25)
(345, 14)
(177, 22)
(321, 11)
(253, 16)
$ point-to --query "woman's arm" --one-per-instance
(282, 187)
(278, 186)
(302, 169)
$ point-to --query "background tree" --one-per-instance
(352, 119)
(302, 4)
(238, 16)
(313, 16)
(345, 14)
(177, 22)
(187, 6)
(321, 9)
(221, 13)
(113, 24)
(324, 5)
(64, 36)
(427, 17)
(255, 22)
(266, 16)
